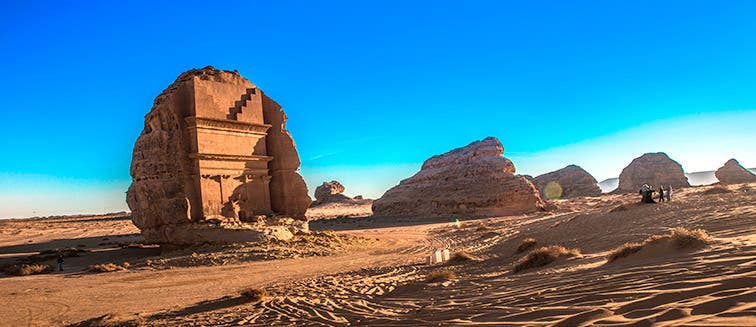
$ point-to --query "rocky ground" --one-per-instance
(372, 271)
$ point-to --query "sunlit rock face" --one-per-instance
(733, 173)
(654, 169)
(568, 182)
(475, 180)
(214, 148)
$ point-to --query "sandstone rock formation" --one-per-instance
(654, 169)
(474, 180)
(568, 182)
(733, 173)
(214, 148)
(330, 192)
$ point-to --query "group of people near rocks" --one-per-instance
(647, 193)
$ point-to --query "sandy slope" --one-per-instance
(383, 284)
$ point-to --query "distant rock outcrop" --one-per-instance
(568, 182)
(330, 192)
(475, 180)
(733, 173)
(654, 169)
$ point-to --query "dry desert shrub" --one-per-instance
(25, 270)
(438, 276)
(624, 251)
(683, 238)
(526, 244)
(680, 237)
(107, 267)
(717, 190)
(462, 256)
(254, 294)
(544, 256)
(624, 207)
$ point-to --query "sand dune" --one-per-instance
(384, 283)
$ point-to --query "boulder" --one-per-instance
(568, 182)
(654, 169)
(733, 173)
(330, 192)
(214, 148)
(472, 181)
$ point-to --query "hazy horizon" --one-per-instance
(373, 89)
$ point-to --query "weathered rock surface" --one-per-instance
(568, 182)
(475, 180)
(733, 173)
(330, 192)
(214, 147)
(654, 169)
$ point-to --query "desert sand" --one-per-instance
(372, 271)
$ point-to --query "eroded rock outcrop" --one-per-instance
(475, 180)
(734, 173)
(654, 169)
(330, 192)
(568, 182)
(214, 153)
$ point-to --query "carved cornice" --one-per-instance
(226, 125)
(228, 157)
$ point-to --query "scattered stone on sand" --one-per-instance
(475, 180)
(733, 173)
(214, 149)
(330, 192)
(568, 182)
(654, 169)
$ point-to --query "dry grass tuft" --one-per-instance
(683, 238)
(544, 256)
(440, 276)
(107, 267)
(462, 256)
(526, 244)
(719, 189)
(25, 270)
(680, 237)
(624, 207)
(254, 294)
(624, 251)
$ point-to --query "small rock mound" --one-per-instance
(734, 173)
(475, 180)
(330, 192)
(568, 182)
(655, 169)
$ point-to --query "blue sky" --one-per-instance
(373, 88)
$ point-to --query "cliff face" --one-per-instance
(570, 181)
(654, 169)
(475, 180)
(733, 173)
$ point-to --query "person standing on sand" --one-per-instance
(669, 193)
(60, 262)
(661, 194)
